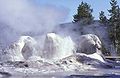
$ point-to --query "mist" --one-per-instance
(24, 16)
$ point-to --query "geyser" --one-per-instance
(59, 53)
(56, 47)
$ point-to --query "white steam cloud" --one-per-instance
(23, 16)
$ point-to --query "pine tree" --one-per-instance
(112, 20)
(84, 13)
(118, 31)
(103, 19)
(114, 24)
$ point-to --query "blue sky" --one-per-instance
(97, 5)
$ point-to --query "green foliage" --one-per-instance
(114, 24)
(84, 13)
(103, 18)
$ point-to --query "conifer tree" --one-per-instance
(112, 20)
(114, 24)
(103, 19)
(118, 31)
(84, 13)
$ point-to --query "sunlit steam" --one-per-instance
(24, 16)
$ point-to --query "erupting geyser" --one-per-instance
(58, 54)
(56, 47)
